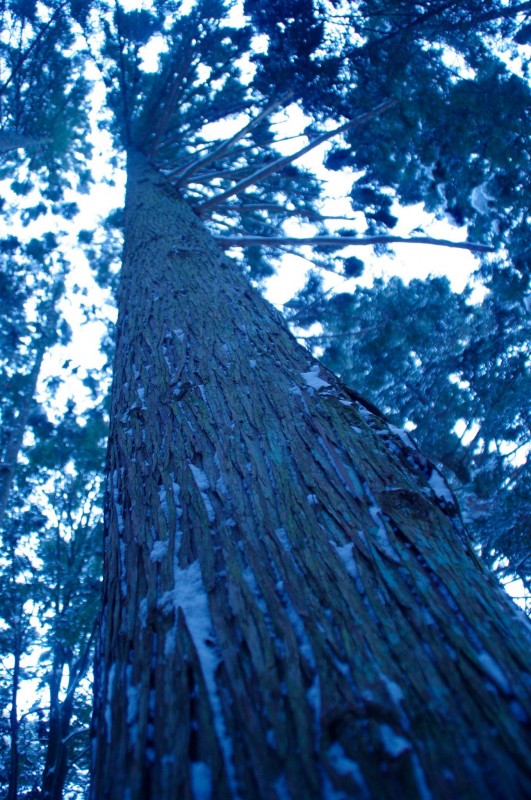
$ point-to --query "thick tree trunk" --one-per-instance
(291, 606)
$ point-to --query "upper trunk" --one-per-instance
(291, 605)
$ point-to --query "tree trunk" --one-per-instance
(14, 722)
(291, 605)
(56, 761)
(58, 750)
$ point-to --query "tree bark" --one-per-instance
(291, 606)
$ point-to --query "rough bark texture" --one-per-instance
(291, 606)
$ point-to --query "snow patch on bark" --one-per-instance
(132, 705)
(439, 488)
(200, 478)
(120, 523)
(117, 505)
(189, 595)
(203, 485)
(394, 690)
(163, 497)
(403, 435)
(108, 702)
(221, 487)
(311, 378)
(394, 744)
(347, 557)
(494, 672)
(159, 550)
(343, 765)
(283, 539)
(346, 554)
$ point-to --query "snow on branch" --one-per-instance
(282, 162)
(347, 241)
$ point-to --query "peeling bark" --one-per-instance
(291, 606)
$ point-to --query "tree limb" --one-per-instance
(280, 163)
(307, 213)
(347, 241)
(228, 143)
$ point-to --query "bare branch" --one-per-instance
(280, 163)
(208, 177)
(316, 263)
(508, 11)
(347, 241)
(307, 213)
(339, 335)
(226, 145)
(174, 89)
